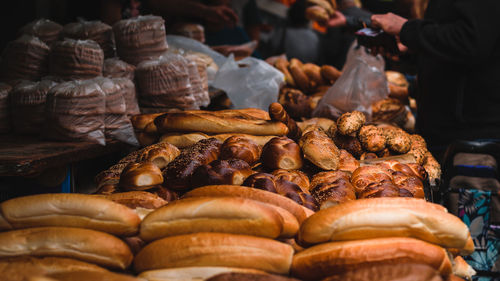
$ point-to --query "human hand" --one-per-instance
(221, 15)
(336, 20)
(389, 23)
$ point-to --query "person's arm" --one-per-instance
(469, 40)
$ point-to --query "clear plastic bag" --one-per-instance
(362, 83)
(116, 68)
(47, 30)
(97, 31)
(249, 83)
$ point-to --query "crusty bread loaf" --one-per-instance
(4, 225)
(350, 123)
(218, 124)
(215, 249)
(134, 199)
(239, 147)
(336, 257)
(387, 217)
(140, 176)
(332, 188)
(213, 214)
(330, 73)
(295, 176)
(142, 120)
(347, 162)
(160, 154)
(320, 149)
(193, 273)
(21, 268)
(243, 276)
(251, 193)
(83, 244)
(282, 153)
(91, 275)
(389, 272)
(72, 210)
(278, 113)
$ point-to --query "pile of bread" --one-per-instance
(320, 10)
(227, 232)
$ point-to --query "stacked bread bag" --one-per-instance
(96, 31)
(4, 107)
(380, 239)
(46, 30)
(59, 234)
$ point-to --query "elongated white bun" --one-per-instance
(215, 249)
(333, 258)
(251, 193)
(389, 272)
(234, 215)
(92, 275)
(462, 269)
(387, 217)
(195, 273)
(71, 210)
(82, 244)
(21, 268)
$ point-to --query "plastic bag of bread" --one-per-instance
(127, 87)
(28, 106)
(97, 31)
(116, 68)
(116, 122)
(258, 82)
(4, 108)
(75, 112)
(24, 58)
(47, 30)
(202, 63)
(164, 83)
(191, 30)
(199, 91)
(362, 83)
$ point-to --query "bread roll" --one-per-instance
(389, 272)
(323, 123)
(330, 73)
(282, 153)
(222, 214)
(91, 275)
(215, 249)
(21, 268)
(251, 193)
(260, 140)
(398, 140)
(242, 276)
(433, 168)
(347, 162)
(194, 273)
(72, 210)
(146, 139)
(218, 124)
(298, 74)
(350, 123)
(160, 154)
(181, 140)
(372, 138)
(296, 104)
(282, 65)
(142, 120)
(365, 176)
(4, 225)
(233, 171)
(337, 257)
(278, 113)
(462, 269)
(239, 147)
(325, 4)
(135, 199)
(83, 244)
(332, 188)
(313, 72)
(350, 144)
(395, 217)
(317, 13)
(295, 176)
(140, 176)
(320, 149)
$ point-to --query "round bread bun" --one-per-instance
(70, 210)
(396, 78)
(83, 244)
(387, 217)
(215, 249)
(337, 257)
(91, 275)
(389, 272)
(20, 268)
(212, 214)
(194, 273)
(231, 276)
(250, 193)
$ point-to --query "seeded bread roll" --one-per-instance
(332, 188)
(349, 123)
(372, 138)
(233, 171)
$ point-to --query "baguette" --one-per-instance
(209, 214)
(83, 244)
(141, 121)
(215, 249)
(389, 272)
(218, 124)
(194, 273)
(387, 217)
(71, 210)
(182, 140)
(337, 257)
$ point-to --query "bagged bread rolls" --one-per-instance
(47, 30)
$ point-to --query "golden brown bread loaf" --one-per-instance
(251, 193)
(372, 138)
(215, 249)
(330, 73)
(71, 210)
(233, 171)
(142, 120)
(140, 176)
(367, 178)
(409, 186)
(295, 176)
(396, 217)
(181, 140)
(313, 72)
(389, 272)
(83, 244)
(216, 123)
(462, 269)
(178, 173)
(320, 149)
(4, 225)
(296, 104)
(90, 275)
(323, 123)
(336, 257)
(299, 76)
(239, 147)
(324, 4)
(135, 199)
(21, 268)
(159, 154)
(350, 144)
(349, 123)
(368, 156)
(347, 162)
(282, 153)
(193, 273)
(317, 13)
(332, 188)
(383, 189)
(397, 140)
(249, 277)
(432, 167)
(282, 65)
(213, 214)
(278, 113)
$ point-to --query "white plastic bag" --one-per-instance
(362, 83)
(249, 82)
